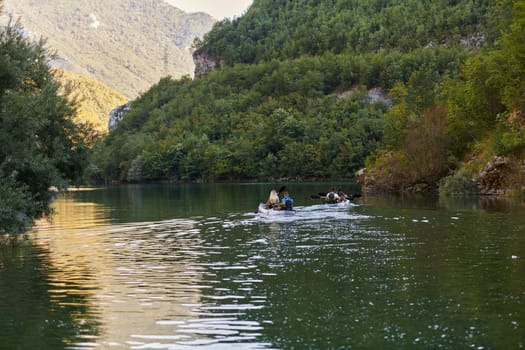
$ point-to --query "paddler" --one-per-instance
(287, 202)
(332, 196)
(273, 200)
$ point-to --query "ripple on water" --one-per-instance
(327, 273)
(156, 270)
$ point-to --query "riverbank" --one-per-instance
(500, 176)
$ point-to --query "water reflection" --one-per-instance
(150, 284)
(131, 273)
(489, 204)
(38, 312)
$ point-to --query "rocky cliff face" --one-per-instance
(373, 95)
(116, 116)
(204, 63)
(502, 175)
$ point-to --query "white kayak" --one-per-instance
(266, 211)
(329, 206)
(343, 204)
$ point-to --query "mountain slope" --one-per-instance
(126, 44)
(277, 29)
(95, 100)
(300, 108)
(291, 98)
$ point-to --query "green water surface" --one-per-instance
(195, 267)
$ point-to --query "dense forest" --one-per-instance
(294, 95)
(282, 30)
(41, 144)
(308, 117)
(469, 136)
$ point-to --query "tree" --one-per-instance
(41, 144)
(513, 54)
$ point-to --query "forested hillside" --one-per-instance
(292, 97)
(281, 29)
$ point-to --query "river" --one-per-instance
(196, 267)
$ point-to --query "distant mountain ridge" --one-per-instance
(126, 44)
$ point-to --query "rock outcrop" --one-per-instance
(377, 95)
(116, 116)
(501, 175)
(204, 63)
(373, 95)
(366, 182)
(371, 183)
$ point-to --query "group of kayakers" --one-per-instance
(286, 203)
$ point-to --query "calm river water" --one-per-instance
(195, 267)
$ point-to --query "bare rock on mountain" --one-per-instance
(204, 63)
(116, 116)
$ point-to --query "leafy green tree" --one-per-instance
(489, 99)
(41, 144)
(512, 58)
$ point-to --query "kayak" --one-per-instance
(266, 211)
(343, 204)
(330, 206)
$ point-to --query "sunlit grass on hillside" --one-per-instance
(95, 100)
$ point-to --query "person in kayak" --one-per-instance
(332, 197)
(342, 195)
(287, 202)
(273, 200)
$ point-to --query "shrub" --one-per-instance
(460, 183)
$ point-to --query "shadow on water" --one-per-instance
(37, 312)
(486, 204)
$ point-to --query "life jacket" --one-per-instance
(288, 203)
(331, 197)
